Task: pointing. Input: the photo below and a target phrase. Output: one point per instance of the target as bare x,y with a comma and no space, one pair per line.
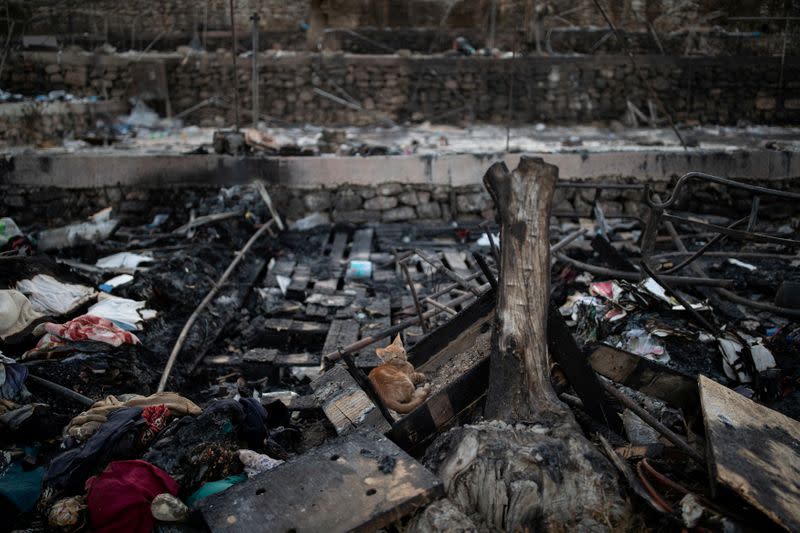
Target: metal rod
255,96
60,389
567,240
173,356
744,255
234,49
652,202
634,276
447,272
681,300
650,420
736,234
696,255
413,290
441,306
487,273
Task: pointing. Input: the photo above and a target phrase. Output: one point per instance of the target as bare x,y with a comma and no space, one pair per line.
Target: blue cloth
214,487
21,487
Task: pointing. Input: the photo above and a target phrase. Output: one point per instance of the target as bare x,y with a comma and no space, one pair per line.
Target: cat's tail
404,408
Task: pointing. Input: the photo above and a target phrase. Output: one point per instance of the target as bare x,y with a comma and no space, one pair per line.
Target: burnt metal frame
658,213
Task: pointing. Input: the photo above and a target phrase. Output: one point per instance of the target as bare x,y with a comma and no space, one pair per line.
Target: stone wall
389,202
46,124
722,90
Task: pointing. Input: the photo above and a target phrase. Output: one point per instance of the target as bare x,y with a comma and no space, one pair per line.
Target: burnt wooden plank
753,450
299,285
339,299
345,404
316,311
282,267
287,334
362,244
642,374
456,262
337,252
278,358
326,286
480,312
340,334
380,312
565,351
287,325
361,482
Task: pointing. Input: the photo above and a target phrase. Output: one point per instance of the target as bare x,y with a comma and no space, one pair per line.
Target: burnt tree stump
528,466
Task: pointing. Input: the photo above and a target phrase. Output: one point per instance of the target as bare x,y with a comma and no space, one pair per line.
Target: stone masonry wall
389,202
446,90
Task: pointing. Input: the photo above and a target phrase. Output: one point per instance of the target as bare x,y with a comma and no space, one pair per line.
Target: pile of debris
209,367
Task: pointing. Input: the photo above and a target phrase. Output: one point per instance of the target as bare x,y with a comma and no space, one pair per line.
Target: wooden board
345,405
362,244
326,286
380,310
299,285
361,482
753,450
340,334
565,351
287,325
337,253
646,376
457,264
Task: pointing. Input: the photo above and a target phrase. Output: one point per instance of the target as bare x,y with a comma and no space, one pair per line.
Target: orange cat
395,379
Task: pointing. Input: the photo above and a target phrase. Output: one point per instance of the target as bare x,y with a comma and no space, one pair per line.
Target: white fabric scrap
123,260
731,359
52,297
129,314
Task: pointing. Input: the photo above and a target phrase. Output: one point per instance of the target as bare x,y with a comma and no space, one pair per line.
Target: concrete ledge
78,171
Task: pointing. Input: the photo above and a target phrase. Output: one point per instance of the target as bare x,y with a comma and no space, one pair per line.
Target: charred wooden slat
362,245
299,286
362,482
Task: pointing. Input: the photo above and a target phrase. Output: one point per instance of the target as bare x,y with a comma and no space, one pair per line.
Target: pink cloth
82,328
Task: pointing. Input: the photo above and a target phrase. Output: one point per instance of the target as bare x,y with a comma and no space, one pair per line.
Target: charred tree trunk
519,380
529,467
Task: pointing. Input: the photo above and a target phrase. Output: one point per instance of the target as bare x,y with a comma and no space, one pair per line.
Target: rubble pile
211,368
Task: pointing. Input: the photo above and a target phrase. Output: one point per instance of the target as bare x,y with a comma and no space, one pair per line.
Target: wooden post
519,379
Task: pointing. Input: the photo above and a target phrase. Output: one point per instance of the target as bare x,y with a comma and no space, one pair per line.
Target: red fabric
91,328
157,417
119,498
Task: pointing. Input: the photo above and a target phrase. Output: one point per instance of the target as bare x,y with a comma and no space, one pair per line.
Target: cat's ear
381,353
398,343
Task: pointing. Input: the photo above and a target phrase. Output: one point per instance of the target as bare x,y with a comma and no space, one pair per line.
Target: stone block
390,189
347,200
399,214
381,203
429,210
317,201
409,198
472,203
356,216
